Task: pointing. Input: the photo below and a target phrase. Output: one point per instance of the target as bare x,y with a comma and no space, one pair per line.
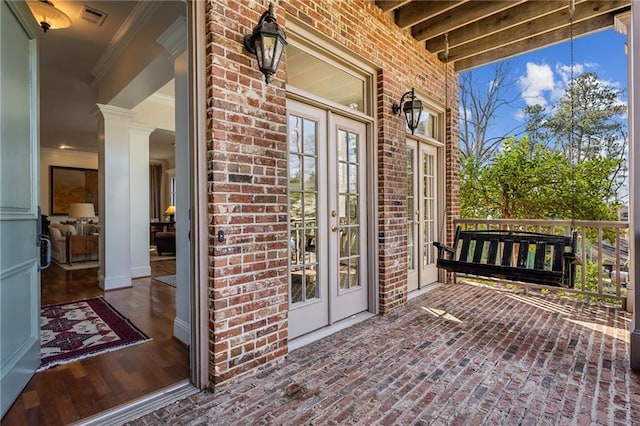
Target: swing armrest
572,258
442,249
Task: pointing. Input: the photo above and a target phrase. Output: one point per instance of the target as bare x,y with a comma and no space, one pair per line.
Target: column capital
112,112
622,23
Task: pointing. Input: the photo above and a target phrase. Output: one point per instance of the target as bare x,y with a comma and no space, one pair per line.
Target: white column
622,25
634,180
113,172
139,198
632,24
174,41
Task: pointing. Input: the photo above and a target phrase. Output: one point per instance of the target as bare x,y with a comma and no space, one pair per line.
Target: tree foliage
571,163
585,124
526,181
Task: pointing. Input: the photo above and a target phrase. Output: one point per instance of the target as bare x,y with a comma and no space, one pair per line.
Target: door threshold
426,289
141,406
314,336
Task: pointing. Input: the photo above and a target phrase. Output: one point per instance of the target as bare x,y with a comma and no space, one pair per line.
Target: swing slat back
512,255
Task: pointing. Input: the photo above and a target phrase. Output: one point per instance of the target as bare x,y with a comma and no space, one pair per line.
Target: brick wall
247,167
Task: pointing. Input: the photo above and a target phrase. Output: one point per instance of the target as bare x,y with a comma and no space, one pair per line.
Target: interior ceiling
480,32
68,91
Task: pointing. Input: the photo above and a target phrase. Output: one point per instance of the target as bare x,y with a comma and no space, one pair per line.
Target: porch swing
514,255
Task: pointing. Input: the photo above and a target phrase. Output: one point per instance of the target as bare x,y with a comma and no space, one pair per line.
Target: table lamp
81,211
170,211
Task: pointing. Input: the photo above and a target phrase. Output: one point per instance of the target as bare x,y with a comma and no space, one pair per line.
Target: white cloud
538,81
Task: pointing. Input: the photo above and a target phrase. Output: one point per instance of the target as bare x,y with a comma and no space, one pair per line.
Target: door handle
45,252
334,228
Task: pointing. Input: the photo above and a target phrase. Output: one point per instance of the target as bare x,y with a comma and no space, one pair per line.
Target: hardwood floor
70,392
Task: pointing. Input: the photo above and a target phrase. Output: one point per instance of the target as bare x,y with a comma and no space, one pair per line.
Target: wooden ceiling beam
493,24
538,26
532,43
420,11
459,17
391,5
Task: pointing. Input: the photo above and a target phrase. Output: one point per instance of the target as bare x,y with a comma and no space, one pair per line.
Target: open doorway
79,68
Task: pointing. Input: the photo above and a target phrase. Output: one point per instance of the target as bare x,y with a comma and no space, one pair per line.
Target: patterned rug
167,279
71,331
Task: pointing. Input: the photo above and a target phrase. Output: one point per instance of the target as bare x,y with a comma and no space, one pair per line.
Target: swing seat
529,257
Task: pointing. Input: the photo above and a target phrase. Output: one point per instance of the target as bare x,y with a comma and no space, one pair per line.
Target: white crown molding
124,36
112,112
174,39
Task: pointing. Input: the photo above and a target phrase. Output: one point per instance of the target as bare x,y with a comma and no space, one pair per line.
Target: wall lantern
412,109
49,16
267,42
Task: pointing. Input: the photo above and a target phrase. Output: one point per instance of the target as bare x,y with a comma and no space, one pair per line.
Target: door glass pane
326,80
410,209
349,209
428,125
428,208
303,207
353,210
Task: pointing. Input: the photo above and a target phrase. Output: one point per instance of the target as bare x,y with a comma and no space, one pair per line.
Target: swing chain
571,87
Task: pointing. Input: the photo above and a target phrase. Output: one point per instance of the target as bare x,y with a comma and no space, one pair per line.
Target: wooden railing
603,251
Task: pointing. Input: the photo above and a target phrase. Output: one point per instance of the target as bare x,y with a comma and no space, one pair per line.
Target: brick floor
459,355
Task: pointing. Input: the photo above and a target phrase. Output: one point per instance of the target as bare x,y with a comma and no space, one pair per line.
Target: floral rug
71,331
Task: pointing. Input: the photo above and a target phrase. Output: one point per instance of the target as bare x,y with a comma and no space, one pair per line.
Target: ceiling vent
92,15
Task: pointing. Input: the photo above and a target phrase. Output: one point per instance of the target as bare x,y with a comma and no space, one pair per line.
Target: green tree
586,123
530,181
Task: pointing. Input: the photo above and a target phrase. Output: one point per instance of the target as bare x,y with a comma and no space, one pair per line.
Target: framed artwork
72,185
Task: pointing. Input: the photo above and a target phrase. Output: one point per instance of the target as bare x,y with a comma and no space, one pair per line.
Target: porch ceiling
481,32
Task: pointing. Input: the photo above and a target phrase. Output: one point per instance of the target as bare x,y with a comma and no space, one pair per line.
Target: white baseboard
182,331
113,283
140,271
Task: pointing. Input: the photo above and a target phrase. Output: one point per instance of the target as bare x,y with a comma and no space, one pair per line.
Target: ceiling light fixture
267,42
49,16
412,109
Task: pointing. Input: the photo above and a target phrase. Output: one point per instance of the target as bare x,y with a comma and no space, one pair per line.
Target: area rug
72,331
167,279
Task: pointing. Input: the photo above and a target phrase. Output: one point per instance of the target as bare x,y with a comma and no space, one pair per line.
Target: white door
422,208
327,220
19,252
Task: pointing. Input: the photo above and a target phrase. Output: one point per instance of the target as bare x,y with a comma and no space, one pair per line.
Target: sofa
59,234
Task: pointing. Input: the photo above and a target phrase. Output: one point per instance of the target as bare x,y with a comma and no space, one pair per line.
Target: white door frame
303,106
421,275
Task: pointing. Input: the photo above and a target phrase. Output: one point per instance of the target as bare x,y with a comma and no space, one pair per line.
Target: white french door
19,231
422,210
327,218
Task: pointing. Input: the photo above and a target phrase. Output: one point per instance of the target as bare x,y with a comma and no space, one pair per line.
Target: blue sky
540,76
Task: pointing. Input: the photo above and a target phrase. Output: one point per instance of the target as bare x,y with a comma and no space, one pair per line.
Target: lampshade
170,210
81,210
48,15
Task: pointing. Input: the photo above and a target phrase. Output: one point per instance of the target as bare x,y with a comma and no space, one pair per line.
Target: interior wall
64,158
